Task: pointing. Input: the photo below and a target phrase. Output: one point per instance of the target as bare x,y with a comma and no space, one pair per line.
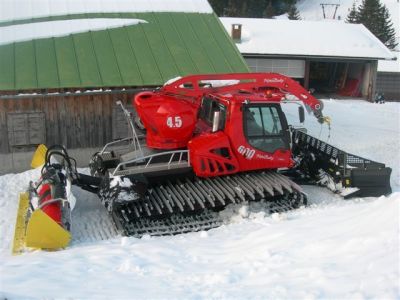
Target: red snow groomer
212,140
236,127
208,141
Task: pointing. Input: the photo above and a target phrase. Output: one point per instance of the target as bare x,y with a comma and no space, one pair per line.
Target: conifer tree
388,33
375,16
232,9
219,6
269,12
244,9
250,8
293,13
352,16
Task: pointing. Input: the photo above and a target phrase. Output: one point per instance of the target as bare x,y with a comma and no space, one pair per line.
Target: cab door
260,138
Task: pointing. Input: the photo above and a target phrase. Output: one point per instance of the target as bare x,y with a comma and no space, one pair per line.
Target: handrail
134,137
114,142
150,158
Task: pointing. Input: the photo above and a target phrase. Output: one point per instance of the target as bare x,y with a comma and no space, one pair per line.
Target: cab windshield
265,127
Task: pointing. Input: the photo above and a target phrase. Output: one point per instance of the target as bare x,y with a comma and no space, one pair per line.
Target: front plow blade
20,226
44,233
39,157
37,230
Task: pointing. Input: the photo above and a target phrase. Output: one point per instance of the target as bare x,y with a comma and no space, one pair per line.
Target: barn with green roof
64,64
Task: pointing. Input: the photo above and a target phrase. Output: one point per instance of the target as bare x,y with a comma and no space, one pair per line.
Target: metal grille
304,140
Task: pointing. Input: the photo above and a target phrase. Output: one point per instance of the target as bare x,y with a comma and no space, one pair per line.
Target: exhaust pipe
215,125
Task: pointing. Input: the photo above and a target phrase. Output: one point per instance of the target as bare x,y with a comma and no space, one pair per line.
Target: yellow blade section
44,233
20,225
39,156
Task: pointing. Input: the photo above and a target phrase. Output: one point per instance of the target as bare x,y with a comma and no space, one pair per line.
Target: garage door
289,67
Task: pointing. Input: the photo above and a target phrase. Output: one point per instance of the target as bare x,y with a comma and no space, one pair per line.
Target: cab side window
208,107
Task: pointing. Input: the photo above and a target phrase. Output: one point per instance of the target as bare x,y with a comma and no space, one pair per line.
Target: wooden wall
389,84
76,121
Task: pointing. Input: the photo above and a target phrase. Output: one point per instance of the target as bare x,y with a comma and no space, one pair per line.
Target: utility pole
323,5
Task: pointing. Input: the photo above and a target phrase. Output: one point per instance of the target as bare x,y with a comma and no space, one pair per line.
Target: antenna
336,6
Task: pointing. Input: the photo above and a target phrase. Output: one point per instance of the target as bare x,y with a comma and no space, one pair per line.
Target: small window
27,128
208,107
205,109
187,85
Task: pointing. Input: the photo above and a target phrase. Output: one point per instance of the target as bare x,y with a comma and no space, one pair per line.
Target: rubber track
178,224
191,205
174,224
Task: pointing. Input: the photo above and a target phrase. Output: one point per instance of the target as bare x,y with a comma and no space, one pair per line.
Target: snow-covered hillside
312,10
331,249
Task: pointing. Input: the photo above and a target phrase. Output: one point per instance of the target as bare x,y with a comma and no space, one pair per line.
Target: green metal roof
170,44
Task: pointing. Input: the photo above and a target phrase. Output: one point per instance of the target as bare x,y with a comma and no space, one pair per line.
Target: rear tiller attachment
348,174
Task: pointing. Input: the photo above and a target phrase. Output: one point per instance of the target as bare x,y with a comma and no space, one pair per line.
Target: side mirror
301,114
216,121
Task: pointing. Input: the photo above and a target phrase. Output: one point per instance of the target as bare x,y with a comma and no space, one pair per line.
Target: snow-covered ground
334,248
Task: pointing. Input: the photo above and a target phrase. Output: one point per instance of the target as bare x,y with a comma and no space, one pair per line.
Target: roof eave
269,55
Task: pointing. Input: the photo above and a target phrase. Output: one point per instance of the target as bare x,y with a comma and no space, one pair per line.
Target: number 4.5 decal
174,122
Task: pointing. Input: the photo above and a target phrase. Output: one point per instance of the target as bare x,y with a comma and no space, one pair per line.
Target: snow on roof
31,31
390,66
27,9
307,38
